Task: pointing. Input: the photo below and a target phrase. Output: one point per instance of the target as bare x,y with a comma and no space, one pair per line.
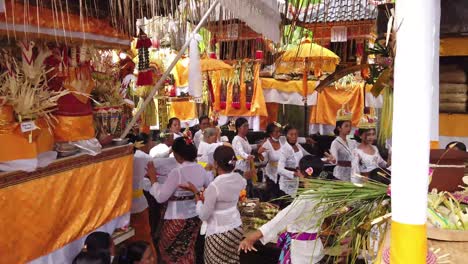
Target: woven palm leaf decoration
249,84
236,88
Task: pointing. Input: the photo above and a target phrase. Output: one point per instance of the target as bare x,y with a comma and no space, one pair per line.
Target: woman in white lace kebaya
366,157
288,164
181,224
270,153
218,206
243,150
342,148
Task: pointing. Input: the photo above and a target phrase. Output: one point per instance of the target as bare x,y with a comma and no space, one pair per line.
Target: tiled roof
337,11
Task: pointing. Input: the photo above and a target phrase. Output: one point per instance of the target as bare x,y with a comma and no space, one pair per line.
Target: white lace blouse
289,158
243,149
220,206
206,151
185,172
342,151
272,157
140,160
364,163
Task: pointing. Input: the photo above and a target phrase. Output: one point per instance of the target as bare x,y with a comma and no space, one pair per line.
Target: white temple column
435,81
417,24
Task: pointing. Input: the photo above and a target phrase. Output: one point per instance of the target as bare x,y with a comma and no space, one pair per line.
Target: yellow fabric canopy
210,65
311,51
293,86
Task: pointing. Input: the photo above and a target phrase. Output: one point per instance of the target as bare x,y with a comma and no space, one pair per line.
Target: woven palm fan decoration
249,84
145,77
236,92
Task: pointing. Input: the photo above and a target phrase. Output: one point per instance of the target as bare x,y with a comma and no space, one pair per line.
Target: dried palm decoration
106,92
31,98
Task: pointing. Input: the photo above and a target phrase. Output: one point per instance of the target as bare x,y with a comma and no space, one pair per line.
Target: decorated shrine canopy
19,20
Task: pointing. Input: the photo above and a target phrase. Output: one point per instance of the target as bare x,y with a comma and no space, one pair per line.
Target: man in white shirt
163,149
203,123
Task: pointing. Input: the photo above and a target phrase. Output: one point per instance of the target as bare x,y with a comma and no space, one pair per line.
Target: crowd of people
187,188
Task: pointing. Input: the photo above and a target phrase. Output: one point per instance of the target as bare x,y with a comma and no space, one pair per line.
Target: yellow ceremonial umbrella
310,55
207,65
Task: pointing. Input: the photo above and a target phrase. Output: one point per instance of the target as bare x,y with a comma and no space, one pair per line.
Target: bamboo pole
168,71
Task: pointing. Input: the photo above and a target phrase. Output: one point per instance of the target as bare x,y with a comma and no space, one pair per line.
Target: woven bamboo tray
446,235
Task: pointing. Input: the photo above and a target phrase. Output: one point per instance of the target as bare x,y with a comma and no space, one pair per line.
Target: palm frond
350,212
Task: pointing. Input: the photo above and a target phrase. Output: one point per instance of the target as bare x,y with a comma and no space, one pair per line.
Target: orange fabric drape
272,109
15,145
184,110
258,107
330,100
293,86
180,72
74,128
42,215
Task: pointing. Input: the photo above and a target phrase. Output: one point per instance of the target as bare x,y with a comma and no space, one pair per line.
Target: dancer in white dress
270,153
243,150
366,157
288,164
296,226
208,145
203,123
164,148
342,147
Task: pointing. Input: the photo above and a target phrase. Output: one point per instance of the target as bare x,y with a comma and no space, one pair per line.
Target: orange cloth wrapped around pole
330,100
57,207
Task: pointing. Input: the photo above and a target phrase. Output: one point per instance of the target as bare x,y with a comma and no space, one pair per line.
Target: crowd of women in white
177,176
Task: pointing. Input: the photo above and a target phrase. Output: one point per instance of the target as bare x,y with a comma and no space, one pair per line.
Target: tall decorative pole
435,82
416,23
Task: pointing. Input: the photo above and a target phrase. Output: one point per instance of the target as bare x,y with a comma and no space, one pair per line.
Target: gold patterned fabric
48,211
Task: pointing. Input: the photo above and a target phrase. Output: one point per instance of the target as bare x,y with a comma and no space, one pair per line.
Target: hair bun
232,161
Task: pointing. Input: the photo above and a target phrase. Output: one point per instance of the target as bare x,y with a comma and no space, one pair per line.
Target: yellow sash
137,193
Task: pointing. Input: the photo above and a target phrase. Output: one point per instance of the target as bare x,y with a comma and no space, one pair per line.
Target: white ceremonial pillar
435,82
416,22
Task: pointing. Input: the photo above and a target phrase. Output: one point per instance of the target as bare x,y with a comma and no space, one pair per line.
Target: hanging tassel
143,40
210,89
223,94
195,76
145,77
